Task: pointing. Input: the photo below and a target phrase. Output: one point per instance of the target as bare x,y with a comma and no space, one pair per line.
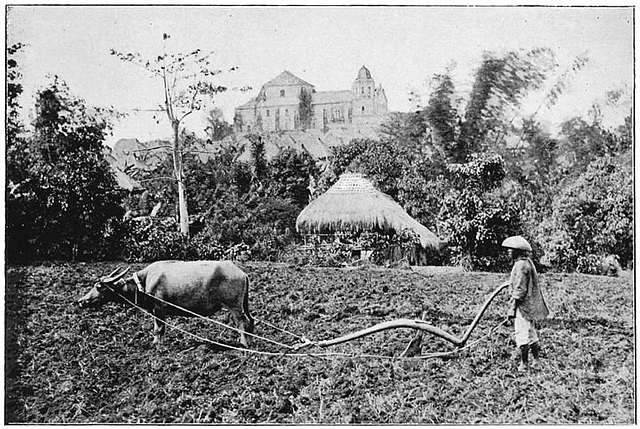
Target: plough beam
413,324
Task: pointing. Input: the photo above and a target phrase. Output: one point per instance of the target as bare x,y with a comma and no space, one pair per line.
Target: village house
277,106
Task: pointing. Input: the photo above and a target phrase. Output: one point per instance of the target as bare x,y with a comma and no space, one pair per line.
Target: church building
277,107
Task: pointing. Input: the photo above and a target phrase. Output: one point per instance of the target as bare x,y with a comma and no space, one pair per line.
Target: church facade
277,105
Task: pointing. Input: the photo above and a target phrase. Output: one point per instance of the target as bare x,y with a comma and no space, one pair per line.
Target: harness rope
282,354
264,322
138,291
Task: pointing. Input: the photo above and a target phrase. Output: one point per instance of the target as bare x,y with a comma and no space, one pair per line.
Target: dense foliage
474,170
473,173
475,217
244,207
14,90
152,239
289,175
380,160
592,216
355,247
217,128
63,201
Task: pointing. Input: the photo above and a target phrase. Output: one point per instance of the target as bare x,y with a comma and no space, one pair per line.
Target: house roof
323,97
353,203
286,78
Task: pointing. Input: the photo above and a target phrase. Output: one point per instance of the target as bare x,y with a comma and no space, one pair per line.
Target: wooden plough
419,325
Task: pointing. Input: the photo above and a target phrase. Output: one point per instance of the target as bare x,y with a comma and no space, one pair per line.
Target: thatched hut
354,204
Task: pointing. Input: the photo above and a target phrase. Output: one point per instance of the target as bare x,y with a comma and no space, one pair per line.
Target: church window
282,93
369,90
286,112
267,113
362,109
363,90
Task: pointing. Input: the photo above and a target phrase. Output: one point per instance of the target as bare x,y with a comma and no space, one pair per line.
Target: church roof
364,73
248,105
286,78
322,97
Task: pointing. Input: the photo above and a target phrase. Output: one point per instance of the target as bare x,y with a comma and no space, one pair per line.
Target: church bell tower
364,89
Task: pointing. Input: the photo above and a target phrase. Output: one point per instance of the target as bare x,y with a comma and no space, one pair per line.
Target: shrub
557,246
205,246
261,222
388,247
62,201
593,215
338,250
153,239
332,254
475,218
289,174
589,264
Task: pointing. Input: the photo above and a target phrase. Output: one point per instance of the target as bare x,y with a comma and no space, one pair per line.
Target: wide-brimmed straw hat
517,242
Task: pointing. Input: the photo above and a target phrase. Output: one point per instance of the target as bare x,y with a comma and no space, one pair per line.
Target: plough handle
475,322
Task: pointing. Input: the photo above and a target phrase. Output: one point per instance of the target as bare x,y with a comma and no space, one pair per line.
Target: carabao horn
117,276
103,278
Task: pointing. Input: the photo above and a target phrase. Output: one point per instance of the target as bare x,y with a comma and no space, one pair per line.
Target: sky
403,47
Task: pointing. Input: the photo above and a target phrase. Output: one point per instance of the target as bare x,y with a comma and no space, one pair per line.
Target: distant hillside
129,155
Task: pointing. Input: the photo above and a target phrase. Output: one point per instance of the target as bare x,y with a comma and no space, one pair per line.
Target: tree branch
157,178
200,151
192,105
148,110
167,108
175,79
186,114
153,148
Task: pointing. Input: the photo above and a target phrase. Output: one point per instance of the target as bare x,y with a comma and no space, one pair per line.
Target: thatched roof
353,203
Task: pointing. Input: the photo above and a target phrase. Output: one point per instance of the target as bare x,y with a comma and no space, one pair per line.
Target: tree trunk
179,173
182,202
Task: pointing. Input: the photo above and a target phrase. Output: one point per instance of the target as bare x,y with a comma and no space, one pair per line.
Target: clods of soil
68,365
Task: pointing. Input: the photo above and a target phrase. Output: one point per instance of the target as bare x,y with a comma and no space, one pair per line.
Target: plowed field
68,365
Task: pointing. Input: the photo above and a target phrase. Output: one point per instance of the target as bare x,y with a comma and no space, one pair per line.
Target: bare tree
188,82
